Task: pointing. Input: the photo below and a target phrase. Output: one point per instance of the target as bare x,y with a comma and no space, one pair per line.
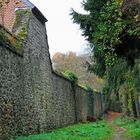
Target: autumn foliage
78,65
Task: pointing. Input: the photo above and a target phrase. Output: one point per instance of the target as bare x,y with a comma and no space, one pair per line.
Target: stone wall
90,102
25,83
61,103
81,104
67,105
99,105
11,92
33,98
37,73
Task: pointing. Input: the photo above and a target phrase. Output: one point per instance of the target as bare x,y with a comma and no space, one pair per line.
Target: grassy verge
89,131
132,126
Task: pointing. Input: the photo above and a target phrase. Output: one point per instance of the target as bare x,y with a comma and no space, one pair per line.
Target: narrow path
118,130
118,134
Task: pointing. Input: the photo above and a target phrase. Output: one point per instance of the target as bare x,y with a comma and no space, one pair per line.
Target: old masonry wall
33,98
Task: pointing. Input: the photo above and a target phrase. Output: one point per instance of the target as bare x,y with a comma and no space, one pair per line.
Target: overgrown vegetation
112,28
88,131
77,64
10,40
132,127
21,23
74,79
71,76
15,41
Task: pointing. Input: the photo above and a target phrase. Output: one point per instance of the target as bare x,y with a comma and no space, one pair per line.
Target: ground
118,130
101,130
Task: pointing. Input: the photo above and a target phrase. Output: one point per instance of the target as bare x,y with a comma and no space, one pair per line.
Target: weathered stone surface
11,93
81,104
37,73
61,103
100,105
33,98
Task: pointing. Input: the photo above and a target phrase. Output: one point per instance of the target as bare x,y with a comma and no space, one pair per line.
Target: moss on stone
15,40
21,23
10,40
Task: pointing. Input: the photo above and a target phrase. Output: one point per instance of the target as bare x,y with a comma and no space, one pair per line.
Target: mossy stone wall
81,104
11,93
34,99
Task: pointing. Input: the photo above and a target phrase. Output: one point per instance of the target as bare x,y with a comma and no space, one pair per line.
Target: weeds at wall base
132,126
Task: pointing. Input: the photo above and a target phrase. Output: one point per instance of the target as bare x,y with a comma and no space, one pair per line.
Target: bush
71,76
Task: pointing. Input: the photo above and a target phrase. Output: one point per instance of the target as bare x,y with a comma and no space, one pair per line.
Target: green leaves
106,26
110,25
135,31
132,126
113,29
71,76
89,131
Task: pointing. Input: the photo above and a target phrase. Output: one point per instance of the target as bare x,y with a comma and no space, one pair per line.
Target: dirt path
118,134
118,130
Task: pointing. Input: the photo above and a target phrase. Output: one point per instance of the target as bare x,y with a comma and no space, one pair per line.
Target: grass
132,126
89,131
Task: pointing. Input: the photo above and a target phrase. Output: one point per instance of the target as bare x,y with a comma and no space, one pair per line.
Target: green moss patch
21,23
14,40
9,40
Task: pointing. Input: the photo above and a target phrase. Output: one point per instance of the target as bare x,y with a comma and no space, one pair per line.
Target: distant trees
78,65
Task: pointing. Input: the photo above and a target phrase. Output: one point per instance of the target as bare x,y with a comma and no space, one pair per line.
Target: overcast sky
63,35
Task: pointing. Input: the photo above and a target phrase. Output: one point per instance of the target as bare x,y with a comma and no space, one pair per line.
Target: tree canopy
112,27
108,24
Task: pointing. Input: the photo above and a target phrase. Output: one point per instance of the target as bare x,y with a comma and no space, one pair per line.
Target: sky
63,34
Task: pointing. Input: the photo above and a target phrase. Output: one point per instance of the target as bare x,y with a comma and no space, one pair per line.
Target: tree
78,65
107,25
2,8
113,28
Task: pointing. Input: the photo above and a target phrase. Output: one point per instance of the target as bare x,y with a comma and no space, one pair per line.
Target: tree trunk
137,106
134,111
